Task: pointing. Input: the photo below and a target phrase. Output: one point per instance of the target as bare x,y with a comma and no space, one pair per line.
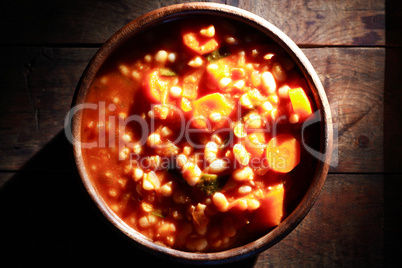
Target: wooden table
46,218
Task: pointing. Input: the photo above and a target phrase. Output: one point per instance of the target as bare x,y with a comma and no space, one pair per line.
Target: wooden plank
344,228
354,82
46,217
315,22
70,22
37,85
319,22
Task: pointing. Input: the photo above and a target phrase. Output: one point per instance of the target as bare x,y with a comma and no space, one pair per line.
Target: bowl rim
167,13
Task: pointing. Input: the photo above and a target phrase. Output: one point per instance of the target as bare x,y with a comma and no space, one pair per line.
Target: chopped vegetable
221,69
191,82
185,105
157,87
271,211
283,153
211,183
213,103
300,103
167,72
198,43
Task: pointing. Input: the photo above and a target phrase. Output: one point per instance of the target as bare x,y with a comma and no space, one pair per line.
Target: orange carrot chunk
213,103
300,103
198,43
212,108
157,87
283,153
270,212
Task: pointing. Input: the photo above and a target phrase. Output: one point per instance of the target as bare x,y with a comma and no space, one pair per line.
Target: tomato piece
300,103
221,68
283,153
191,83
271,210
199,43
157,86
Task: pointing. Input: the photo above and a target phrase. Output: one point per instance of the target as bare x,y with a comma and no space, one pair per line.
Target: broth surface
195,137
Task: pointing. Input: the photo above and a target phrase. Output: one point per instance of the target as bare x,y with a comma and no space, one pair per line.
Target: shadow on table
47,218
392,135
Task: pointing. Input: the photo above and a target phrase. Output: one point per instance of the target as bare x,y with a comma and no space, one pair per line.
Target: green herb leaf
211,183
157,213
167,72
218,54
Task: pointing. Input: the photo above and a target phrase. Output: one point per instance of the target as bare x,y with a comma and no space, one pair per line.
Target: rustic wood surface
46,218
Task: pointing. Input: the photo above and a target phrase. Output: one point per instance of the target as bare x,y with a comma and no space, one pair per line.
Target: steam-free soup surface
194,134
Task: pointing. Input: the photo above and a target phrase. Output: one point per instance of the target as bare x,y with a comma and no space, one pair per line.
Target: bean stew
193,134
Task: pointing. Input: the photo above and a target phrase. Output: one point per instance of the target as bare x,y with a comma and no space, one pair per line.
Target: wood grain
319,22
342,229
51,208
354,82
314,22
37,86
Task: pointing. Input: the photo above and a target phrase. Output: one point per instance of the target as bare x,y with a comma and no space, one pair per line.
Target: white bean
268,82
239,84
172,57
224,82
175,91
243,174
166,189
210,151
245,101
220,202
283,92
208,32
245,189
161,56
218,166
153,140
137,174
195,62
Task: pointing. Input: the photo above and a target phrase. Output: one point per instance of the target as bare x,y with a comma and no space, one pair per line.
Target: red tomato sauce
198,143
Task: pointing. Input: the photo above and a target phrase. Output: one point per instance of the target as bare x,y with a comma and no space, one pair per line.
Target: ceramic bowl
155,18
